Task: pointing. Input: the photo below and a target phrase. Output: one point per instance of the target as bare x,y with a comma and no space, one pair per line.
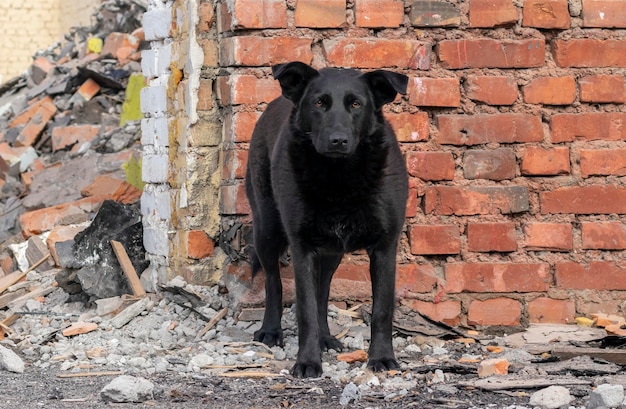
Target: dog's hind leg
328,266
270,243
383,273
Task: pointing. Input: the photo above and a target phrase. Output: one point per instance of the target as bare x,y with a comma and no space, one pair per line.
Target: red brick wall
514,132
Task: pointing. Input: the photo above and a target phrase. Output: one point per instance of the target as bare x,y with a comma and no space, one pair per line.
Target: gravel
160,349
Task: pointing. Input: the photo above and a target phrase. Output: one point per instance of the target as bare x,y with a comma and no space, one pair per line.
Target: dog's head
336,107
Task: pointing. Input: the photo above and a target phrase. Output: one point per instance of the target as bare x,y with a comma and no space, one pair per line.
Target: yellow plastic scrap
94,45
584,321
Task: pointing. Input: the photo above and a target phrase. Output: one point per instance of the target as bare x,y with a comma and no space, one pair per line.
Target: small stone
495,366
552,397
126,388
351,393
606,396
10,361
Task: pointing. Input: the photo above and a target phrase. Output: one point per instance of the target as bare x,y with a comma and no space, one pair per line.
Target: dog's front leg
306,270
383,273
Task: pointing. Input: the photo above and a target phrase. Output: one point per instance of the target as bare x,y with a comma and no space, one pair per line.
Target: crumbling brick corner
181,137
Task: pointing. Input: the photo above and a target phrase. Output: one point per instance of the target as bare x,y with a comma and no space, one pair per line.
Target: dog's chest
342,231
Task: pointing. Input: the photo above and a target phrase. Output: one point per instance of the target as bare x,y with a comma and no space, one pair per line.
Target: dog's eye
319,103
355,104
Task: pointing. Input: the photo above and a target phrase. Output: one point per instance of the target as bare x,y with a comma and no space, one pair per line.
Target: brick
252,14
489,53
247,89
233,200
415,278
23,117
488,237
602,89
353,272
492,164
205,95
320,13
66,136
487,128
199,245
112,188
412,203
35,126
211,52
430,165
603,235
589,126
434,13
492,90
587,52
448,312
603,13
157,24
206,16
435,92
410,127
495,311
538,161
89,89
264,51
235,161
603,162
434,239
61,234
121,46
493,367
547,310
597,275
492,13
377,53
550,91
467,201
239,126
604,199
379,13
548,236
553,14
42,220
497,277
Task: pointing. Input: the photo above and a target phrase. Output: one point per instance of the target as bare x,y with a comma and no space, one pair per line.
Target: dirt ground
36,388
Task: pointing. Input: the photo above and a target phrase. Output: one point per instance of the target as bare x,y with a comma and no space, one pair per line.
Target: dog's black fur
326,176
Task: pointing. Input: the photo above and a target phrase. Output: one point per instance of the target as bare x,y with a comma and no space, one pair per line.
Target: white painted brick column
156,202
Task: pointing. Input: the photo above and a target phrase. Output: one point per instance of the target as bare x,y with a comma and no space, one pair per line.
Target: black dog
326,177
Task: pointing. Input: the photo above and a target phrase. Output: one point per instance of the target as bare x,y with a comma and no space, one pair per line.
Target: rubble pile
69,132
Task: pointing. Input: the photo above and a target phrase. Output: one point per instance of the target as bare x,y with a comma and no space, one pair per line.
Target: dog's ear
385,85
293,78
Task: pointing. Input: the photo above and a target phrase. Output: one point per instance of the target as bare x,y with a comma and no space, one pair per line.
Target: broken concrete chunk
98,270
606,396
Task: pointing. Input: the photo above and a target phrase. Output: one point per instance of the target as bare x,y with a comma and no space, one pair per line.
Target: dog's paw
383,364
269,338
330,342
307,370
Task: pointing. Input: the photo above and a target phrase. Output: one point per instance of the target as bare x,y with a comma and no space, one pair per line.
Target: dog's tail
254,261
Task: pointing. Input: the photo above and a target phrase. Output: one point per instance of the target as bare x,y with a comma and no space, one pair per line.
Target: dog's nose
338,140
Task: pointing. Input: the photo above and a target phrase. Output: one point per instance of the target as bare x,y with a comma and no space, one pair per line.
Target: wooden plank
212,323
84,374
128,269
10,279
5,299
498,383
617,356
